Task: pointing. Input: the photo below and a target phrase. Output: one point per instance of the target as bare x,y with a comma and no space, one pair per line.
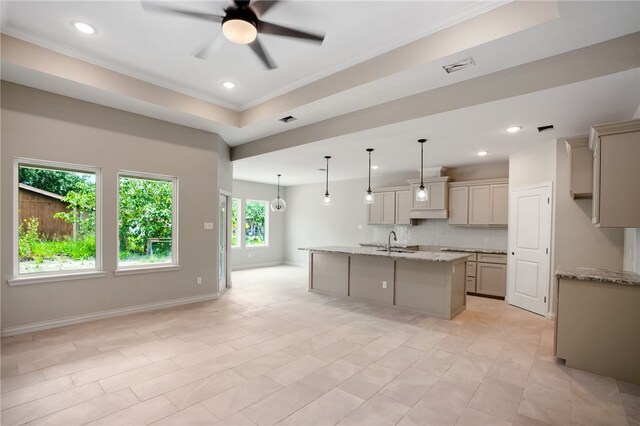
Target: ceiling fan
241,24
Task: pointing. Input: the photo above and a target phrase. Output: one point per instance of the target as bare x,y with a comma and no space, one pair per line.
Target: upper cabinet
436,206
580,167
616,174
383,209
479,203
403,207
391,206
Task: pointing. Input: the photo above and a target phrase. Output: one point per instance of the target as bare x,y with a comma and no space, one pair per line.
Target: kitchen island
430,282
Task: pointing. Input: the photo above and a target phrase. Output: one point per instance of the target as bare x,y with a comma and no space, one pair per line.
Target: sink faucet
395,238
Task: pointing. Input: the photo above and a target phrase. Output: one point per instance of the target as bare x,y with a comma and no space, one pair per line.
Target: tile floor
270,352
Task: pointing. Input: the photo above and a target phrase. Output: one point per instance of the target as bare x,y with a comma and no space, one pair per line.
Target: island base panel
366,274
329,273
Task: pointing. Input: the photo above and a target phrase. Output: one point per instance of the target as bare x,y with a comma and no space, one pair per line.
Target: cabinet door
417,205
437,192
595,206
471,285
459,205
499,204
479,205
375,210
491,279
388,207
403,206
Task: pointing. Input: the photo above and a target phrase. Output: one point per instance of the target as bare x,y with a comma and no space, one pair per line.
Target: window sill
146,270
261,246
22,280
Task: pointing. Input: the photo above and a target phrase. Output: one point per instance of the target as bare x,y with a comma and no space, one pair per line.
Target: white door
223,218
529,246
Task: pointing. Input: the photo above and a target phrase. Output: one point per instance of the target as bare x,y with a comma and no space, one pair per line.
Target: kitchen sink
397,250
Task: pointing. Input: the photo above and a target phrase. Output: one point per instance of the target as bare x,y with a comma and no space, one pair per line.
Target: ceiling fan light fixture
240,27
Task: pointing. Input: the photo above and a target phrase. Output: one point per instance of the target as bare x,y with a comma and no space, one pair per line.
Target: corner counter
429,282
598,321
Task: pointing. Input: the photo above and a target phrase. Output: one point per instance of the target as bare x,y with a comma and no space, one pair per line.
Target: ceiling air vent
288,119
545,128
459,65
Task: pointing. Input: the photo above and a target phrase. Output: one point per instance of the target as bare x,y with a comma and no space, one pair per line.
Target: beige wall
308,223
632,239
273,254
45,126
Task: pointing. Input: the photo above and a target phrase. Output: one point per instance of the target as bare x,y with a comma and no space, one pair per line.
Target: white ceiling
157,48
455,137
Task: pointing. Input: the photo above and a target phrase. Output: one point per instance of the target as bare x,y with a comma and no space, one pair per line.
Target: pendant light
278,204
421,193
369,197
327,198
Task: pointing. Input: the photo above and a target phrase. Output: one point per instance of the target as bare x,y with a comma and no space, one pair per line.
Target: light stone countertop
439,248
427,256
599,275
474,250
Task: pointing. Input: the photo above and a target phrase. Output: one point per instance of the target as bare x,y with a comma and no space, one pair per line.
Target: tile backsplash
439,233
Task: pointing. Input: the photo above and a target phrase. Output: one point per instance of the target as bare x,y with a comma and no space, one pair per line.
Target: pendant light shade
369,198
421,192
278,204
327,198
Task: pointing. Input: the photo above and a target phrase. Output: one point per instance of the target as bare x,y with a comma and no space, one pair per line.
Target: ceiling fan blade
198,15
260,7
257,48
274,29
209,47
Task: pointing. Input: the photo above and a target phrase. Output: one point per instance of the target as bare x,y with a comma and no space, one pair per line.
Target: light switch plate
208,225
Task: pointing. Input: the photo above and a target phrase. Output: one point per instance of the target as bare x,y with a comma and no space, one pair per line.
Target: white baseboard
301,265
255,266
45,325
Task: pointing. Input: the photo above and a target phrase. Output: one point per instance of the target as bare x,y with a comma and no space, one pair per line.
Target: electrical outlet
359,227
249,255
199,280
384,284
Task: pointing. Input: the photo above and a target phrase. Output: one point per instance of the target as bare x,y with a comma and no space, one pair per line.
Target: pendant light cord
326,193
369,188
422,141
278,187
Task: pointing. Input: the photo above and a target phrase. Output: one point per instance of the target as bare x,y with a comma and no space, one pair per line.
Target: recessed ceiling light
228,84
84,28
374,167
482,153
514,129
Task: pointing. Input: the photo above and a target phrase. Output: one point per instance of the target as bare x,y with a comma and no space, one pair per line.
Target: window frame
151,267
51,276
240,221
266,223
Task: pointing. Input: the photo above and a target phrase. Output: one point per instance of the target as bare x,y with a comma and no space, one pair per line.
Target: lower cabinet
487,274
491,279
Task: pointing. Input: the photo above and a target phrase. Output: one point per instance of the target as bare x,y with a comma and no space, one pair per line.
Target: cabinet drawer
492,258
471,269
472,257
471,285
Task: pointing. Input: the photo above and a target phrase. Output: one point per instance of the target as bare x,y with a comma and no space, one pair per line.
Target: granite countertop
427,256
438,248
598,275
474,250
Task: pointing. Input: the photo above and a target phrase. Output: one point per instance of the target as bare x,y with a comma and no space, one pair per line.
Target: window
146,220
236,208
255,223
57,218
